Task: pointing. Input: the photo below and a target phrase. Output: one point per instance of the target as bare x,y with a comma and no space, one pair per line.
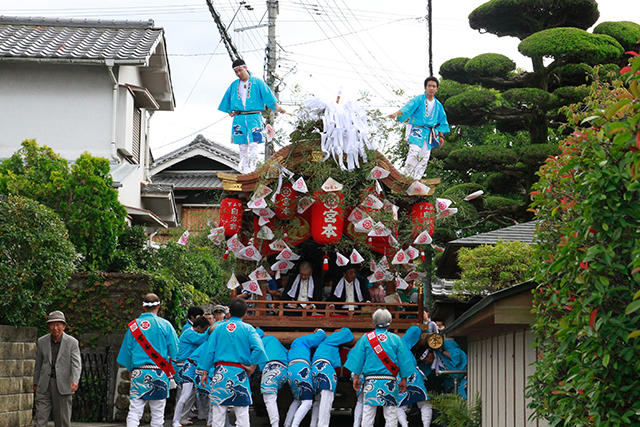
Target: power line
192,133
346,41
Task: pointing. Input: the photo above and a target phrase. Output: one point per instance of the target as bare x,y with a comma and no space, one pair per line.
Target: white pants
136,409
369,415
321,414
248,157
417,160
184,403
426,411
218,415
271,402
301,412
357,412
202,403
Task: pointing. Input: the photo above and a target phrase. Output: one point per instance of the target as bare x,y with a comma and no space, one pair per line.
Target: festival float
331,198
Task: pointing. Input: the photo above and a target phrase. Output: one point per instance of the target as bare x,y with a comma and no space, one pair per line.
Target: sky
377,47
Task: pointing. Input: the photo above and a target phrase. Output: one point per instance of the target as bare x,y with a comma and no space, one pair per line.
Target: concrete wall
498,369
17,361
67,107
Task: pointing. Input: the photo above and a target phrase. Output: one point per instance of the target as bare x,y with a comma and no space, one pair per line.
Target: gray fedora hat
56,316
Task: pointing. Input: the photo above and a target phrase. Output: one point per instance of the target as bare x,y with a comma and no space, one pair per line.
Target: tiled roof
516,233
442,286
73,39
200,142
448,263
189,180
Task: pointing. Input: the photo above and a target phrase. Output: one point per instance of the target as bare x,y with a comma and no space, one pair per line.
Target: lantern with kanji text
231,215
327,217
285,202
422,218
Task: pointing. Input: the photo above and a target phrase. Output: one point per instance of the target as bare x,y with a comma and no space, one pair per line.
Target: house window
137,126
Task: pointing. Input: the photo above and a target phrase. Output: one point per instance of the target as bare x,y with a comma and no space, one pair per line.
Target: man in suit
57,373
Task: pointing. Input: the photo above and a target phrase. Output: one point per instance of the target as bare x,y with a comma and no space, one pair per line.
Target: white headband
150,304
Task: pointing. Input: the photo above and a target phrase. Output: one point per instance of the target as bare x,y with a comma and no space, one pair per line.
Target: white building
89,85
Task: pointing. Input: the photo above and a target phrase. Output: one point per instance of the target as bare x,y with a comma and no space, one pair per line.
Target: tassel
369,240
226,255
422,257
325,263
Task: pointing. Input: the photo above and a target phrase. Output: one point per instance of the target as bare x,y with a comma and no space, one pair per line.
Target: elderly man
380,356
303,287
148,346
57,373
350,289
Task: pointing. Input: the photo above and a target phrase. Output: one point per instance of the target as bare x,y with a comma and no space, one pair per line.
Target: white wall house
89,85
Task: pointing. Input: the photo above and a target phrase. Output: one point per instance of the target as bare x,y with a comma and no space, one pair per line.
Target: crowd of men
214,359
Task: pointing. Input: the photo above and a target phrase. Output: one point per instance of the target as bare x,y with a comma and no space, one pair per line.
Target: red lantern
285,201
422,217
327,217
231,211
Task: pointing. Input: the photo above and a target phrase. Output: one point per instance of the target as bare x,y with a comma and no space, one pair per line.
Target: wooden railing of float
290,315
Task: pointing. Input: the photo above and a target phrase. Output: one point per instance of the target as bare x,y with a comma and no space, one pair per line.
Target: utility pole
270,71
226,39
430,35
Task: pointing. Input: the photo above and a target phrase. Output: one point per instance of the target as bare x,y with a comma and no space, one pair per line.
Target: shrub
489,268
81,194
489,65
625,32
455,411
587,203
36,259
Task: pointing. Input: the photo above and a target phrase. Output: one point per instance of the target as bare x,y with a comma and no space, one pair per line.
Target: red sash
162,363
379,351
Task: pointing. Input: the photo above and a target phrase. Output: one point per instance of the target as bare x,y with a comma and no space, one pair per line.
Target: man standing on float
245,100
426,124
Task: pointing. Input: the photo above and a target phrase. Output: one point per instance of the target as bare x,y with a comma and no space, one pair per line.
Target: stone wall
17,361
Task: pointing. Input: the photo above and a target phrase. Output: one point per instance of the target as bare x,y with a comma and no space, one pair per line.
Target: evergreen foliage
506,122
521,18
588,205
36,259
456,411
489,268
625,32
81,193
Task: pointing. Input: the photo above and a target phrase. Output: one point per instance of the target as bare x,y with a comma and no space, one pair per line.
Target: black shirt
55,348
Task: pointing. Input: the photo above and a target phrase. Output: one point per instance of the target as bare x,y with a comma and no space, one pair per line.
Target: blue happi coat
232,341
456,361
248,128
299,369
186,326
149,383
326,359
415,114
380,387
416,389
189,341
274,372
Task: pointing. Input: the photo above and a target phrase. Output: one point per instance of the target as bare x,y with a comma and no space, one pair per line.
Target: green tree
505,121
588,205
489,268
36,259
82,194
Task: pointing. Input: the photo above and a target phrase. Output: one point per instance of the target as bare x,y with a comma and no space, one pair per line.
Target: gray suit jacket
68,365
